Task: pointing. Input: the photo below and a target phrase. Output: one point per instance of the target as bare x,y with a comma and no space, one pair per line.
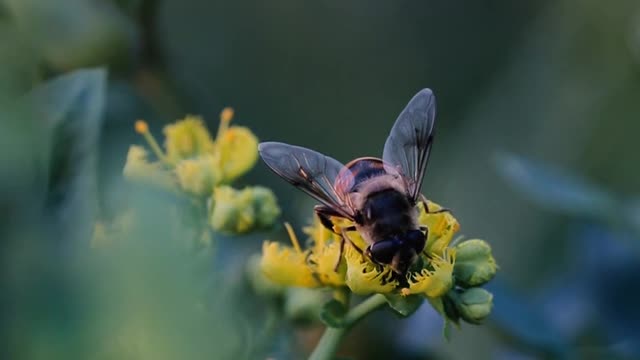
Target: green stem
328,344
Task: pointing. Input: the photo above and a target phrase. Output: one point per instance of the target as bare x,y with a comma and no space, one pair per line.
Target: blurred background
536,152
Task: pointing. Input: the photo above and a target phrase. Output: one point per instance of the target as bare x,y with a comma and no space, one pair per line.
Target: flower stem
330,340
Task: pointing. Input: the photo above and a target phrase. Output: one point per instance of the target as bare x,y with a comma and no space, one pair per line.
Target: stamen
142,128
225,118
293,237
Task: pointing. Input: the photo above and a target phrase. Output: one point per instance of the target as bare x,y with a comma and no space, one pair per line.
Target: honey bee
380,196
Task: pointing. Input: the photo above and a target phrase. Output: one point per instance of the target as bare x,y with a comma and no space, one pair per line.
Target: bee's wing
409,143
309,171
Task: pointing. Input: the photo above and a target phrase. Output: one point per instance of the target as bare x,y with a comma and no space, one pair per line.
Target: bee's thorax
386,213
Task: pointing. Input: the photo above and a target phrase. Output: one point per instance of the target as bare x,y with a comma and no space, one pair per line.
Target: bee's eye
383,251
416,239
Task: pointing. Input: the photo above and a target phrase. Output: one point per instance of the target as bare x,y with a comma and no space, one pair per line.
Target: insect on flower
379,196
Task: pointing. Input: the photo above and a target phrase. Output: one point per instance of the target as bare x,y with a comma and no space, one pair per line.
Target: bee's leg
426,234
324,214
345,238
423,199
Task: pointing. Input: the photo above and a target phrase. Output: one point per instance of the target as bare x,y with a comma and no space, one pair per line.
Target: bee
379,196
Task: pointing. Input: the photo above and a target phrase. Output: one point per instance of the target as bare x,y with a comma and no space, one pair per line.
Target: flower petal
442,226
236,152
187,138
436,282
286,266
363,277
324,260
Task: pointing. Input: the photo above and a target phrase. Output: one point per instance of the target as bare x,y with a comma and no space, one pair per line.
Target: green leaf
446,330
553,189
332,313
404,305
524,323
71,108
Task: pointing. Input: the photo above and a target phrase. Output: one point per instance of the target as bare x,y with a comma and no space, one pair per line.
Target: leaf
71,108
553,189
520,321
446,330
404,305
332,313
446,309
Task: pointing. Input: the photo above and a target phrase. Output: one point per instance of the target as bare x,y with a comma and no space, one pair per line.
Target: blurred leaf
71,107
524,324
553,189
18,61
404,305
332,313
75,33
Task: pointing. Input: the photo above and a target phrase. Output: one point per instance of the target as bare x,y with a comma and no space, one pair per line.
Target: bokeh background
536,151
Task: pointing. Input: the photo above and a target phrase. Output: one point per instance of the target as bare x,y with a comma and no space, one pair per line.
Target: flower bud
474,263
474,304
243,210
265,205
232,210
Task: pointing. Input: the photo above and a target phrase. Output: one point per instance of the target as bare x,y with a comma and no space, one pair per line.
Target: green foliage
404,305
332,313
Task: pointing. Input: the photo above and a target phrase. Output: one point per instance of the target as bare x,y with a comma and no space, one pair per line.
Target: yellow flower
442,226
236,152
138,168
186,139
197,176
236,148
323,263
286,265
316,266
437,281
364,277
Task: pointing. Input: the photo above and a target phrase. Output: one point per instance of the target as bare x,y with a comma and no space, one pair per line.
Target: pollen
141,127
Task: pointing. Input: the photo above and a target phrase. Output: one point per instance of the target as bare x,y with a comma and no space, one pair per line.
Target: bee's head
403,259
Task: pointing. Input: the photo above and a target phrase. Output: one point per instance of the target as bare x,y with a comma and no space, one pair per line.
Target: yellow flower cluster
320,265
198,164
447,275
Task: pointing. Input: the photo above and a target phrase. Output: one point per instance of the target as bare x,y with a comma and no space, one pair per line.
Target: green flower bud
265,205
232,210
473,305
240,211
474,263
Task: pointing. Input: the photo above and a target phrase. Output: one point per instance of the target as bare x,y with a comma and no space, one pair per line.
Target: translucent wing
409,143
309,171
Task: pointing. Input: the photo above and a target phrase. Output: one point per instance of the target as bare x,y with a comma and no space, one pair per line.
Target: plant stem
330,340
